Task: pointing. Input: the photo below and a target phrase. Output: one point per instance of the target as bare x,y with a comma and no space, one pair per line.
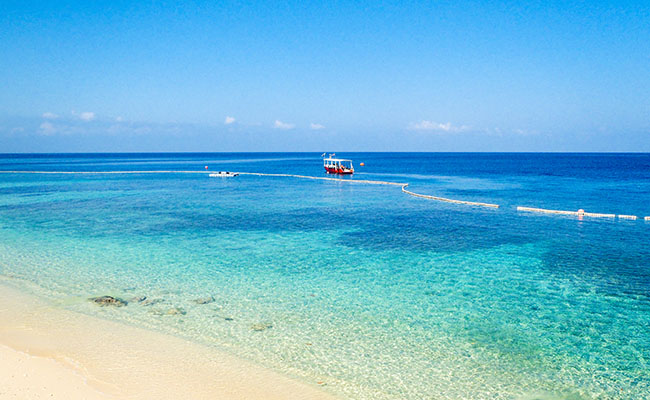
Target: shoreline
57,353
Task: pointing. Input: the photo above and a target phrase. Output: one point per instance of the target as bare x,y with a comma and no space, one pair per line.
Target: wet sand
49,352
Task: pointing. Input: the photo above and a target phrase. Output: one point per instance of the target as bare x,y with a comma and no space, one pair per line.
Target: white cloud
119,119
315,127
283,125
425,125
50,115
47,129
229,120
87,116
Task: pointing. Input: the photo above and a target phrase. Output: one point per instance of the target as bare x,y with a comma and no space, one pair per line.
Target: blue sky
324,76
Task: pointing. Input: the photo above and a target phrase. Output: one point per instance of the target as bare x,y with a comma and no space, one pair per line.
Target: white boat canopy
337,161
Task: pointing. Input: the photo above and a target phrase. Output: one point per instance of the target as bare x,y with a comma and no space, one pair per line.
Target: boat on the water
338,165
223,174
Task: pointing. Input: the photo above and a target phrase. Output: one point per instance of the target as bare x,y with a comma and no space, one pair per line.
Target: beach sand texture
48,352
23,376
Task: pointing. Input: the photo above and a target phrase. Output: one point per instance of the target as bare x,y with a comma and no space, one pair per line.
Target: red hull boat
338,166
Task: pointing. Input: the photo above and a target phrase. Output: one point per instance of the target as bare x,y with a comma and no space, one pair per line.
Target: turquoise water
377,294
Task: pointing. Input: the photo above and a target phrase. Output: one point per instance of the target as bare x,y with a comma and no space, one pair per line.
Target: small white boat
223,174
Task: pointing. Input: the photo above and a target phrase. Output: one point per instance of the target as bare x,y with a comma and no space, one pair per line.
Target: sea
360,288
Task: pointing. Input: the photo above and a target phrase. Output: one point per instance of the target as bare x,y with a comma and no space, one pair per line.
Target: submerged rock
204,300
176,311
108,301
138,299
261,327
151,302
170,311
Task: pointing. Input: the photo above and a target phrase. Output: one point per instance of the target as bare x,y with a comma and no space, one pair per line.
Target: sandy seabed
49,352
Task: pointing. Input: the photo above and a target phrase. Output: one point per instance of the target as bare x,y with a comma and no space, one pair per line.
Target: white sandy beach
23,376
47,352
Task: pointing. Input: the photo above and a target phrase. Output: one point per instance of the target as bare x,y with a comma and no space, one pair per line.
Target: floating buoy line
469,203
580,213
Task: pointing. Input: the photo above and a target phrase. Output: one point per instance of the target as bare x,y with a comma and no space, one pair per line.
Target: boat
338,165
223,174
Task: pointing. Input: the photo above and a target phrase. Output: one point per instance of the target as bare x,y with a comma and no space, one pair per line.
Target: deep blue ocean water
374,292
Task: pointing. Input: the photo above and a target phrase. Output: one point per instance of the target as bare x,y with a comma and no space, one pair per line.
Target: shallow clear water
376,293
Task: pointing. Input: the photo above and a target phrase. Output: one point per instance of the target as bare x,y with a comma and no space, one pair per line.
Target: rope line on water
469,203
104,172
579,213
371,182
324,178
